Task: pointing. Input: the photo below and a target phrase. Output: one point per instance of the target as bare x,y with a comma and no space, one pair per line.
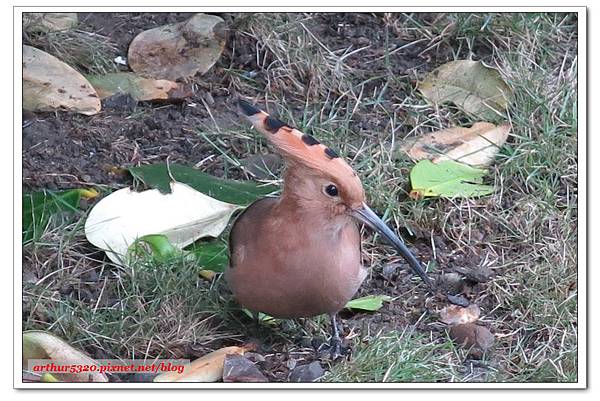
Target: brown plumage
299,255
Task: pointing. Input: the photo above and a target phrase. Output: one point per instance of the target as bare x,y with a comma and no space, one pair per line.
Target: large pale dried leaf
49,22
471,85
49,84
207,369
139,88
447,179
178,50
454,314
43,345
183,216
475,146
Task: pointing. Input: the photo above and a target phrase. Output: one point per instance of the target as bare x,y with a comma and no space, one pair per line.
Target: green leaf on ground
211,255
159,244
262,317
240,193
470,85
39,207
369,303
447,179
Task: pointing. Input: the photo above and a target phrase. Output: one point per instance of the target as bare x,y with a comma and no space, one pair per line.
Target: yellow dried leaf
207,274
207,369
89,193
48,378
43,345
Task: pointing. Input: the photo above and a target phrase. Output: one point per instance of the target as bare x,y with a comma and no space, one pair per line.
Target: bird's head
318,179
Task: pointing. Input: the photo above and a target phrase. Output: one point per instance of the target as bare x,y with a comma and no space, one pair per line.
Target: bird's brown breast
293,265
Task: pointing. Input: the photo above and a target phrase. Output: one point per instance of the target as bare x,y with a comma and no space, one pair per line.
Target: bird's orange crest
302,149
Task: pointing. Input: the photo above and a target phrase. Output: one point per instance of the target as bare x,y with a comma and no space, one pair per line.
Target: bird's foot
335,346
334,350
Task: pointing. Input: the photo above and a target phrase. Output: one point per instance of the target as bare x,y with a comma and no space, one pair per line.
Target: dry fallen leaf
475,146
139,88
49,84
207,369
49,22
178,50
183,216
43,345
471,85
454,314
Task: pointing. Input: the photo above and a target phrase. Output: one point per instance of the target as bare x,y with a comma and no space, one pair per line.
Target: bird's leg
256,319
336,342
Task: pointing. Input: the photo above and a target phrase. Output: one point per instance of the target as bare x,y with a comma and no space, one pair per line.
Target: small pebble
238,369
254,357
452,283
307,373
471,336
476,274
291,364
458,300
389,270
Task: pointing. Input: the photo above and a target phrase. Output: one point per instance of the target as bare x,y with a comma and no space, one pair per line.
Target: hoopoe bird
299,255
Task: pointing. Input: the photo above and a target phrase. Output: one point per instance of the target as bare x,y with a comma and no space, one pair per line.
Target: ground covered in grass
350,80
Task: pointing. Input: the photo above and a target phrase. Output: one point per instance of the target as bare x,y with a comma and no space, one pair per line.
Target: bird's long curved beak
367,216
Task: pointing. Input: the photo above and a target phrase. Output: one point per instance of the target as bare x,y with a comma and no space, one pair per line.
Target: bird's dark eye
331,190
